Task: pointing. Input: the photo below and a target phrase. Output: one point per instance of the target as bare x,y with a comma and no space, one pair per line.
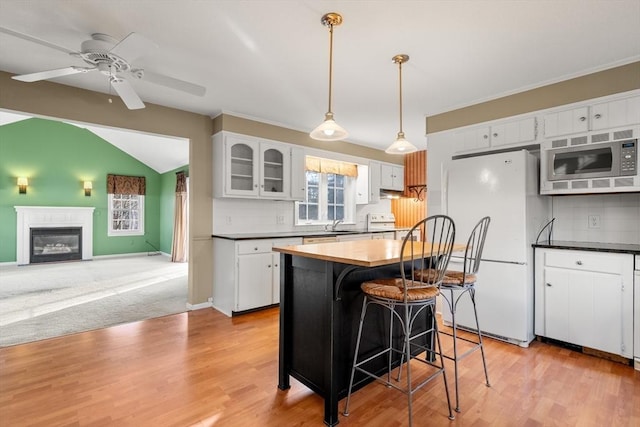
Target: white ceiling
268,60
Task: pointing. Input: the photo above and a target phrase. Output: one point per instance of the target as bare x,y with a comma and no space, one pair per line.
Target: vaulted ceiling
268,60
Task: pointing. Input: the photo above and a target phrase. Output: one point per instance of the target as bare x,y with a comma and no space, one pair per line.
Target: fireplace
55,244
54,220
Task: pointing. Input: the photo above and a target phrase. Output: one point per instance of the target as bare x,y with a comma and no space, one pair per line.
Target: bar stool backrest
432,253
475,246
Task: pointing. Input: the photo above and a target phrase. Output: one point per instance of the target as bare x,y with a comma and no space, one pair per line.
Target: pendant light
400,145
329,130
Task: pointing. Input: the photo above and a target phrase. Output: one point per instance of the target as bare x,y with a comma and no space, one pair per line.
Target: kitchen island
320,303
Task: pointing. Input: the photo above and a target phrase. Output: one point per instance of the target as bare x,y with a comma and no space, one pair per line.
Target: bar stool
463,282
407,298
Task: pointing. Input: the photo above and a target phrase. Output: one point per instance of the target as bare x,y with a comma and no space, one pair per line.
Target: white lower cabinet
585,298
246,273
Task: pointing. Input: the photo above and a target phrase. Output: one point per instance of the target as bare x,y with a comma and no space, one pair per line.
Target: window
329,197
126,215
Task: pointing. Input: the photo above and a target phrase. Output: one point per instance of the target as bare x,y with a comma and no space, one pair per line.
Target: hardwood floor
204,369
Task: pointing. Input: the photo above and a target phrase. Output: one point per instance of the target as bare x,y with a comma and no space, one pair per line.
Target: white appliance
401,234
381,221
387,222
636,313
598,162
503,186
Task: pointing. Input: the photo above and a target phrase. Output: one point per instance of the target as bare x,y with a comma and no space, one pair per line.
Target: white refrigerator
503,186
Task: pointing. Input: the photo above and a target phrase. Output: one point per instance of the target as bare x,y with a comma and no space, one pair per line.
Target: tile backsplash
248,215
607,218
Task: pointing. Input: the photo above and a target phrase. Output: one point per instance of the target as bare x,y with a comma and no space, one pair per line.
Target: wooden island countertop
364,253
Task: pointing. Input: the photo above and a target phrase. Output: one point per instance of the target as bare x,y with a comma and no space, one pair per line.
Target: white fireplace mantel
52,216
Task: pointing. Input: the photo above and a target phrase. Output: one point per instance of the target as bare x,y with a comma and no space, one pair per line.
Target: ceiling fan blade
133,46
35,40
126,92
50,74
172,83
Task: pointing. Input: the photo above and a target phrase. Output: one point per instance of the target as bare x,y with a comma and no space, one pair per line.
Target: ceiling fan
112,58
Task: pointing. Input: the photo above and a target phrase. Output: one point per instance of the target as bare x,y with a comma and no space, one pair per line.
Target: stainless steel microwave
586,164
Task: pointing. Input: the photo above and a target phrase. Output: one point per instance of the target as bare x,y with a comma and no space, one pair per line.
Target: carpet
43,301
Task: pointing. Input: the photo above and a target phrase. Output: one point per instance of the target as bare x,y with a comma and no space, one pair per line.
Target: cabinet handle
579,262
549,284
255,185
255,249
269,266
583,118
275,265
597,116
495,135
485,136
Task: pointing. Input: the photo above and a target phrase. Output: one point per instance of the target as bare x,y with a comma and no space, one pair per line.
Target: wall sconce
88,186
22,185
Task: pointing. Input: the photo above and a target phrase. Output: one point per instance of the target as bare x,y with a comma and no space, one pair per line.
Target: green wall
168,206
56,158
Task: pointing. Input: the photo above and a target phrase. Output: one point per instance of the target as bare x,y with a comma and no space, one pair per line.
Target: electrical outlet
280,219
594,221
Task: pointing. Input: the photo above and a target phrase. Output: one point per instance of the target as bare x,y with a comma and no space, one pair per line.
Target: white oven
384,221
387,222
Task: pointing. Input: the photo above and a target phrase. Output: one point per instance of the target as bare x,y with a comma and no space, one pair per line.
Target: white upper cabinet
391,177
298,174
603,115
613,114
248,167
275,170
566,122
514,132
241,163
362,185
374,182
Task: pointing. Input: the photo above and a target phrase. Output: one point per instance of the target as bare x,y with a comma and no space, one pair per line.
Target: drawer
254,247
287,242
586,261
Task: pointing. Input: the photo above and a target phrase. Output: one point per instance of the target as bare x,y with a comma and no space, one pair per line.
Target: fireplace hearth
54,244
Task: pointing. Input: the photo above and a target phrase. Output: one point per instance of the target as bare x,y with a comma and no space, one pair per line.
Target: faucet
333,226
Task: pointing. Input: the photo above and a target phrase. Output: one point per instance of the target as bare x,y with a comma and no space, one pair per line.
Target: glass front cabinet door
242,166
275,164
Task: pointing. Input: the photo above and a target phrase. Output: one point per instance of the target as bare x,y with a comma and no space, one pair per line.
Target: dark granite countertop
590,246
287,234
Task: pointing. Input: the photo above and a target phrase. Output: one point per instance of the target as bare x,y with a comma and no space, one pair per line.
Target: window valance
121,184
316,164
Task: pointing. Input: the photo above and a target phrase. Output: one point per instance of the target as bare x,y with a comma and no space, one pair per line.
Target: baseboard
8,264
199,306
128,255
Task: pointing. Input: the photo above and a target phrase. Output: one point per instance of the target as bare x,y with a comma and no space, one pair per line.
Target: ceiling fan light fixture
329,130
400,145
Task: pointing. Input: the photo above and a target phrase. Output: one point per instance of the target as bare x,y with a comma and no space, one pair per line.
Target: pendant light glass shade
400,145
329,130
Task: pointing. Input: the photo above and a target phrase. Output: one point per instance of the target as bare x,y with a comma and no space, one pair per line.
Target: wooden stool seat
451,277
392,288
